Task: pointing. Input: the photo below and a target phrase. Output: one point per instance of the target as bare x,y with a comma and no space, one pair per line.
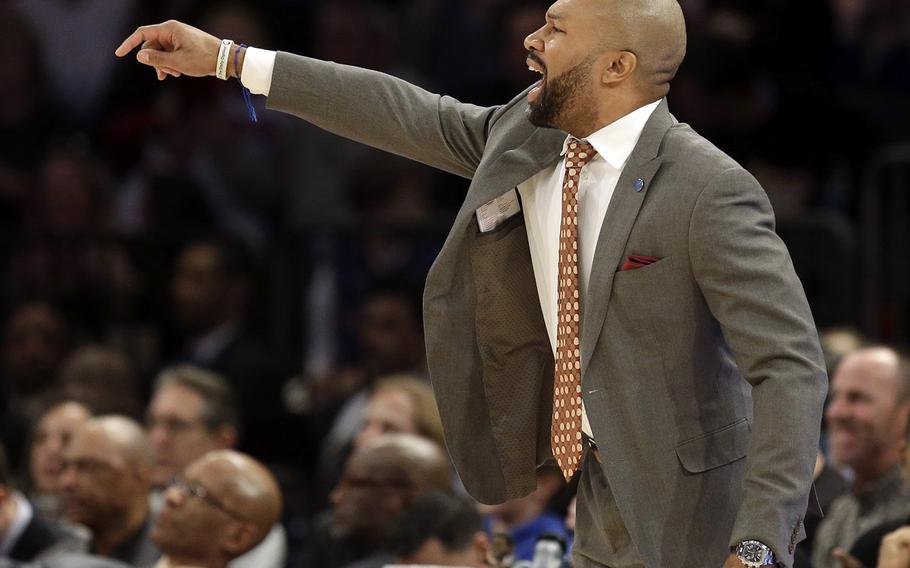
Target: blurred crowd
212,345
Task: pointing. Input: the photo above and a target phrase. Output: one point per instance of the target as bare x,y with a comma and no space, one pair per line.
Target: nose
534,42
67,479
336,495
836,409
174,495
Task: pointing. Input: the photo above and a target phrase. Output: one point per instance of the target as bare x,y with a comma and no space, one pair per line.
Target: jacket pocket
716,448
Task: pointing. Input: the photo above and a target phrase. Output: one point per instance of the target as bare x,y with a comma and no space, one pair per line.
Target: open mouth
537,67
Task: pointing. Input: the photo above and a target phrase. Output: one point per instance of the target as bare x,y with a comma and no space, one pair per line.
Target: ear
619,66
239,537
225,437
480,547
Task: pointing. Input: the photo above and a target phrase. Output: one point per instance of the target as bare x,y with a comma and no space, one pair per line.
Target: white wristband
224,57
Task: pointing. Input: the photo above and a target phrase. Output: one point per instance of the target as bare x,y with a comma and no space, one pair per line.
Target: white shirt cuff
256,74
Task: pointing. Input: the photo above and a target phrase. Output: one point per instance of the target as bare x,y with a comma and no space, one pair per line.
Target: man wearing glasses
222,507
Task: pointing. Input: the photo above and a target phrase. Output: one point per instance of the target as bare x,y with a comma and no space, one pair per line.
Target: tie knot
579,153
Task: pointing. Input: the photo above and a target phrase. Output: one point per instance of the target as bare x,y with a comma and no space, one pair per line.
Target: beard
560,96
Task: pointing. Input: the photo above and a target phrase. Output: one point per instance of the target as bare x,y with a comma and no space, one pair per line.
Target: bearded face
559,100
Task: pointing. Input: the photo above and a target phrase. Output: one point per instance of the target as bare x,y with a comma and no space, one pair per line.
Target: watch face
753,552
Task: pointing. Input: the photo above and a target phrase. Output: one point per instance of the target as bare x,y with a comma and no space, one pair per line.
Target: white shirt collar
24,514
616,140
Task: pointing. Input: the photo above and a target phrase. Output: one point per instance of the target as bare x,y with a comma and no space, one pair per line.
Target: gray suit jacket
701,373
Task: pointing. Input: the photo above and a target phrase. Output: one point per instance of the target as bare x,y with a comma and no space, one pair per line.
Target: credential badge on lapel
495,212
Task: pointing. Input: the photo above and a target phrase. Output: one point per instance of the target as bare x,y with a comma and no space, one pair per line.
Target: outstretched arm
363,105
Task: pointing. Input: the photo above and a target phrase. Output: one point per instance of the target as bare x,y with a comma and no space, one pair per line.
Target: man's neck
106,540
866,478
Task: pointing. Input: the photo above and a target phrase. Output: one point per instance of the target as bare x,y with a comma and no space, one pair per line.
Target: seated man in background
440,529
192,412
380,481
223,506
105,484
867,420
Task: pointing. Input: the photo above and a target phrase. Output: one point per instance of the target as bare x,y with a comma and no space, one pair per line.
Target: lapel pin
639,184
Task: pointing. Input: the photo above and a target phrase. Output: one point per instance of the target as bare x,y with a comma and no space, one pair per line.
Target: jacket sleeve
748,281
382,111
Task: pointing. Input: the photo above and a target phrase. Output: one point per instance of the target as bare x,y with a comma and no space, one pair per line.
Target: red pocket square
637,261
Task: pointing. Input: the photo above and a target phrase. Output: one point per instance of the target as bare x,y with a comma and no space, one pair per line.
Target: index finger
138,37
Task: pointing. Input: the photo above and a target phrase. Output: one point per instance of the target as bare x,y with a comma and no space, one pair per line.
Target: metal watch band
754,554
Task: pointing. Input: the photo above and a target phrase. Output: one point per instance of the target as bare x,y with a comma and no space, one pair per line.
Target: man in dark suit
105,485
639,320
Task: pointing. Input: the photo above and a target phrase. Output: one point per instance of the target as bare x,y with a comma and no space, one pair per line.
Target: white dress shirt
541,198
541,195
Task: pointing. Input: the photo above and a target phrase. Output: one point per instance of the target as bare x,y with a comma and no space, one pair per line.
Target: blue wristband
246,92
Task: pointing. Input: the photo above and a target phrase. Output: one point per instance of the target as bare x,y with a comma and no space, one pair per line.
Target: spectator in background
440,529
867,422
106,482
25,534
527,518
35,342
379,482
103,379
27,121
91,279
193,412
401,404
78,83
398,404
213,289
223,506
49,441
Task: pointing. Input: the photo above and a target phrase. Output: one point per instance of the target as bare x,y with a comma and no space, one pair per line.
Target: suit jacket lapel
642,164
514,166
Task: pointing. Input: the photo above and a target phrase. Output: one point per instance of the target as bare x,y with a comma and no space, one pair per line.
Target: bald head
601,60
383,476
225,504
655,31
407,457
105,479
241,484
123,438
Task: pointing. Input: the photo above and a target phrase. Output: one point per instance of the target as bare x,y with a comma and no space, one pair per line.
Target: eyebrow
554,16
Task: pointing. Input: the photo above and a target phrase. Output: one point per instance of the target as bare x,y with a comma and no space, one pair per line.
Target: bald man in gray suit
692,345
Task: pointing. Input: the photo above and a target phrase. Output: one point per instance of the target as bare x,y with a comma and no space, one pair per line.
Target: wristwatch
753,554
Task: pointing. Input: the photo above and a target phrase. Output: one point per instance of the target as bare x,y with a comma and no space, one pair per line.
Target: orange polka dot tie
565,430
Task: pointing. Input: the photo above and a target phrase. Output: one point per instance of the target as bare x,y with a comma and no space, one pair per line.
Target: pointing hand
173,48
